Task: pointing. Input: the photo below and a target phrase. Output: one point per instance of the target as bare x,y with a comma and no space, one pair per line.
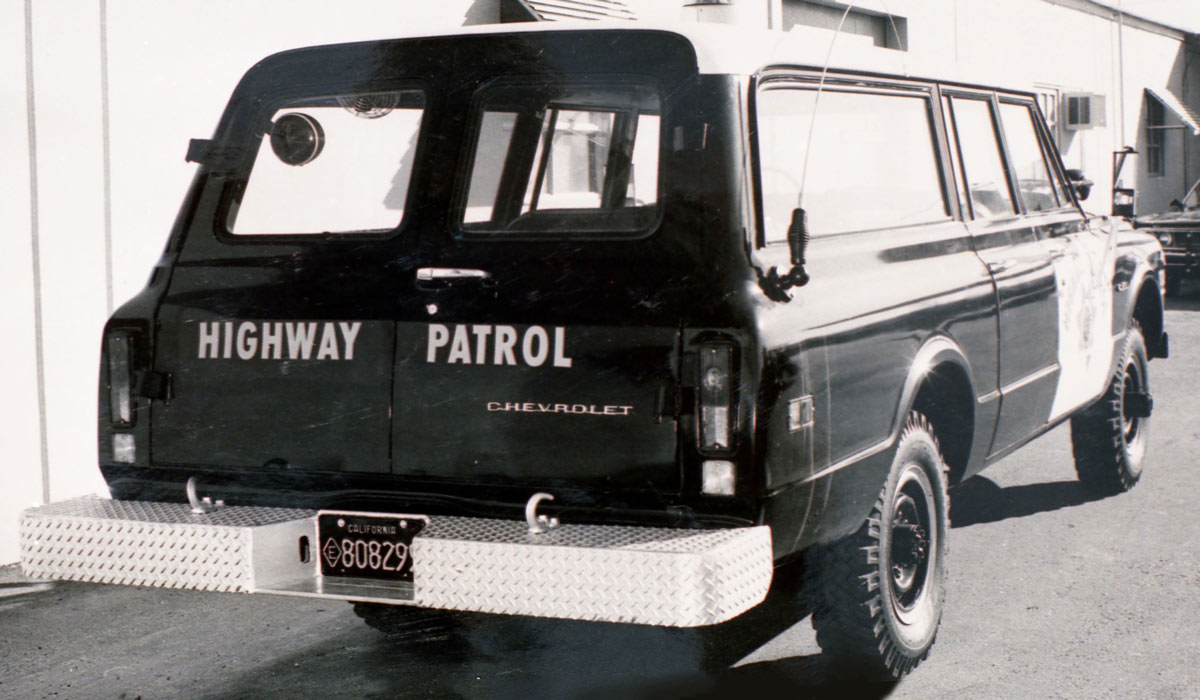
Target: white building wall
170,69
21,472
70,210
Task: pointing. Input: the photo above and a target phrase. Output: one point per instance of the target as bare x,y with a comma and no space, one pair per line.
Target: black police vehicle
603,324
1179,233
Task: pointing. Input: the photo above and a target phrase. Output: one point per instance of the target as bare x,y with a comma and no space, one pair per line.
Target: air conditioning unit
1082,110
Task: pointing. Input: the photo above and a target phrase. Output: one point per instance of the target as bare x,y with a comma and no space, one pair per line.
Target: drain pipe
1121,70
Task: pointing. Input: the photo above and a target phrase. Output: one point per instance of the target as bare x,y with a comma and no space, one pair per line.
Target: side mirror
1080,183
297,139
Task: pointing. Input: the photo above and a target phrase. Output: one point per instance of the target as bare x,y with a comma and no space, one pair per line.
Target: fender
1137,293
937,350
851,493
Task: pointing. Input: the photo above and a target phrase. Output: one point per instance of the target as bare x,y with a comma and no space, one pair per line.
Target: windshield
562,160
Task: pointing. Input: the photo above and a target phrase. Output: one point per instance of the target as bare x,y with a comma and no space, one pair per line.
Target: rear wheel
1109,439
880,591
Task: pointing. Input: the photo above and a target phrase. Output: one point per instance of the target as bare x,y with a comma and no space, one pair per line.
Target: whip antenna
773,284
816,102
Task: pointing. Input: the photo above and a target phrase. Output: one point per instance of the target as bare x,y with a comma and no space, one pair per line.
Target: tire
880,592
1108,442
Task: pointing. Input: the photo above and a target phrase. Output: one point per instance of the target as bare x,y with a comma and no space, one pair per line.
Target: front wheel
1109,439
881,591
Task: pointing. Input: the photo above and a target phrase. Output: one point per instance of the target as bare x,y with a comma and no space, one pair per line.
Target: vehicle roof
739,50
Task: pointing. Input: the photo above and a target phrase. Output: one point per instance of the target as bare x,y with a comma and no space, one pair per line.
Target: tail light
120,389
717,399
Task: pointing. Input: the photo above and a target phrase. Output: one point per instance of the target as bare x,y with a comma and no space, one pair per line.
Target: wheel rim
913,542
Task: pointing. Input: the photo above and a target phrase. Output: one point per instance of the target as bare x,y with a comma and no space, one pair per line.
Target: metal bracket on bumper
657,576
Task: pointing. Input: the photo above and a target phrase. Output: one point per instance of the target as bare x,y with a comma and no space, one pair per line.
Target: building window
888,31
1155,133
1048,99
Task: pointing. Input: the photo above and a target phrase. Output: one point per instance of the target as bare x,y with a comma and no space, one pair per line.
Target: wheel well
946,399
1148,312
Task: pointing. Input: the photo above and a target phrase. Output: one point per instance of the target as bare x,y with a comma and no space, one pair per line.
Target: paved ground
1051,595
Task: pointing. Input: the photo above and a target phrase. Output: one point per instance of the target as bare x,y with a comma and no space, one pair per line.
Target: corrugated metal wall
554,10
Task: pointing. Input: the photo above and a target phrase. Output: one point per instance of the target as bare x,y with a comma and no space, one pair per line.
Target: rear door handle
433,277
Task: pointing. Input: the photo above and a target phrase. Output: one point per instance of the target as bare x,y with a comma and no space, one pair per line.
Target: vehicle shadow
16,590
981,500
499,657
1184,302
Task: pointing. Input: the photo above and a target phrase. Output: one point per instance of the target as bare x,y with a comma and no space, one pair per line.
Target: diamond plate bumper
657,576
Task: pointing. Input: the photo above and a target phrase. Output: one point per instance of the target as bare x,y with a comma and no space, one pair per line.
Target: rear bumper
656,576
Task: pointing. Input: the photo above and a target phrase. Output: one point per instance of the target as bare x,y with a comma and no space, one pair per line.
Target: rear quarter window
863,160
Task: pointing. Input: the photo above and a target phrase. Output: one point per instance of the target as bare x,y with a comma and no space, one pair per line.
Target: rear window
562,160
331,164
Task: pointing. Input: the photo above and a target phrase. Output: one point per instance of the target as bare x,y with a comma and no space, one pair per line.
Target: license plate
367,545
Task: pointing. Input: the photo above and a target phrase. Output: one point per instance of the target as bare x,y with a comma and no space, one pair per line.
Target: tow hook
1138,404
200,506
538,524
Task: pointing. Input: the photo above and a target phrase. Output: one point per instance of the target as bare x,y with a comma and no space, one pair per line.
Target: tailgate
536,404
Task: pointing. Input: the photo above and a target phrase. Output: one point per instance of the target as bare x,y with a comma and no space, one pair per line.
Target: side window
872,163
987,182
1034,178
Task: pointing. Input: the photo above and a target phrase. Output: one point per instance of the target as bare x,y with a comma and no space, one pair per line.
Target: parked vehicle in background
603,324
1179,233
